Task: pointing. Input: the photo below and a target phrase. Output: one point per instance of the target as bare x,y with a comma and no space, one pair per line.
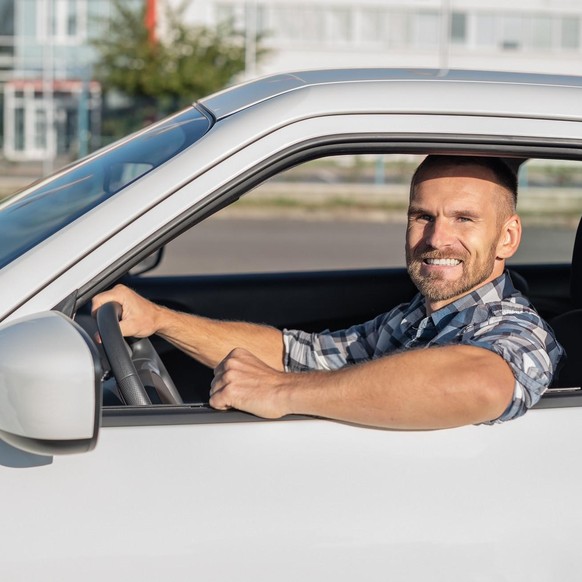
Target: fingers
117,293
228,372
136,312
245,382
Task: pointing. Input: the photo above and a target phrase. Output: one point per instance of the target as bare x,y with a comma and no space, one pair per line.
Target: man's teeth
443,262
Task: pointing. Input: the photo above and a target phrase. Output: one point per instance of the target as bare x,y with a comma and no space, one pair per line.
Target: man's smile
442,262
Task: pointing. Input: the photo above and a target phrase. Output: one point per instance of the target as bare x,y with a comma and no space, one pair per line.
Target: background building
52,107
523,35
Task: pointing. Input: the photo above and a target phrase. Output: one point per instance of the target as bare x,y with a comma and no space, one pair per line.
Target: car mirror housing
148,264
50,385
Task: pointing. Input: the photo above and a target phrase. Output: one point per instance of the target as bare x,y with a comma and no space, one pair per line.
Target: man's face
455,224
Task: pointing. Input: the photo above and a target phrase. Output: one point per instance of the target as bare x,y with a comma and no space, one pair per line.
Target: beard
435,287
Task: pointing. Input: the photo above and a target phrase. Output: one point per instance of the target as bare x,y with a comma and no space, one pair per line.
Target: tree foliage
184,63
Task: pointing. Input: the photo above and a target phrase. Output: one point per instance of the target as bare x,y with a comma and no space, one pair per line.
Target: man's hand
206,340
139,317
408,390
244,382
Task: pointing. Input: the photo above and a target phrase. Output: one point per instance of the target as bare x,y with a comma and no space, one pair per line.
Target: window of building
19,129
570,32
310,23
286,23
372,25
339,25
486,32
62,21
427,28
458,28
95,16
40,127
541,32
72,18
6,17
511,32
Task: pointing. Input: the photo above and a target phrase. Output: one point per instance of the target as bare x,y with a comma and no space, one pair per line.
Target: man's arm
206,340
420,389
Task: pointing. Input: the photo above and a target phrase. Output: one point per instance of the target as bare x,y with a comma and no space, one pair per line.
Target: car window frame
309,150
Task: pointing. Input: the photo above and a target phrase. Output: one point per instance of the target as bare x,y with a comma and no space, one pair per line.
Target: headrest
576,273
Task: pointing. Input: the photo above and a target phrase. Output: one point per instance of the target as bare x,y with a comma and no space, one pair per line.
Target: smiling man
462,225
467,349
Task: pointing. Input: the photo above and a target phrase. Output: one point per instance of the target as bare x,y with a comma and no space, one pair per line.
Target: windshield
37,213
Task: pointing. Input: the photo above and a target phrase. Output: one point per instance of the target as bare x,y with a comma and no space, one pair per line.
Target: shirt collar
494,291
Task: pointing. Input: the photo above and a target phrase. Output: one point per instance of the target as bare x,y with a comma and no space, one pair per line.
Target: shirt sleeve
530,349
332,350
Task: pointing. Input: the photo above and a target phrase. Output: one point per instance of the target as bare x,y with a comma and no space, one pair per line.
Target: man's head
462,225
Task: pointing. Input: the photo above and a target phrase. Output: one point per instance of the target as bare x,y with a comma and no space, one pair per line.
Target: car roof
463,85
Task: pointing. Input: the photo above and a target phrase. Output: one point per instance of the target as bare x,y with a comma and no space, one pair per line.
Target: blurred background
77,74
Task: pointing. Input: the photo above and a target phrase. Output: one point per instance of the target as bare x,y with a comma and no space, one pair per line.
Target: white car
160,486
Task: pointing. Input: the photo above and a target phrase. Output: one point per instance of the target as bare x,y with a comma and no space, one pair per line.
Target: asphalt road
227,245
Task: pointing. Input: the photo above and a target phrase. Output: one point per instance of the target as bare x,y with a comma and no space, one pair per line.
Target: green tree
184,63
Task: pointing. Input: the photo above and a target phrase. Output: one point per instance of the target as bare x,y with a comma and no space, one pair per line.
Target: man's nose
438,234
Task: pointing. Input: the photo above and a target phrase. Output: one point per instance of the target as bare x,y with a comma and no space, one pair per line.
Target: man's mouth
442,262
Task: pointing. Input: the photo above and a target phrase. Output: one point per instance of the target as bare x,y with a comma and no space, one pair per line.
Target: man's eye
464,219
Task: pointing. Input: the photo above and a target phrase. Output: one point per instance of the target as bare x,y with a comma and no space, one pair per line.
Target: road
258,245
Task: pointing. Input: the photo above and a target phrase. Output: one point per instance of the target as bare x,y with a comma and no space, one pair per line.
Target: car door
218,498
184,491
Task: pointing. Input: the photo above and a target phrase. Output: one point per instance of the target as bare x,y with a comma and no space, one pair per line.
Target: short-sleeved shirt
495,316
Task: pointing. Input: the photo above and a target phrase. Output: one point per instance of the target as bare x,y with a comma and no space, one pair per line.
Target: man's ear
509,238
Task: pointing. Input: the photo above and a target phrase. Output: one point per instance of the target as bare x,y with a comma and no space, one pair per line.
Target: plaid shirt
495,317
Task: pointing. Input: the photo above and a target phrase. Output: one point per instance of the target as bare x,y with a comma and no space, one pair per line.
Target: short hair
504,174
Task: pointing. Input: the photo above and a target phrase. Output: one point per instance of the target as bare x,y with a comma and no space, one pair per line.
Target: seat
519,282
568,326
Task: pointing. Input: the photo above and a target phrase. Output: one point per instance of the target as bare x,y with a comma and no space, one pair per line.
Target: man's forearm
422,389
209,341
429,388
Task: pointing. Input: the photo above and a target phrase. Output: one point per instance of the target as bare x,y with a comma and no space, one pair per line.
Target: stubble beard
435,287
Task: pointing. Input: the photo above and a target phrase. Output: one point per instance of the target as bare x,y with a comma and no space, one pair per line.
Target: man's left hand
245,382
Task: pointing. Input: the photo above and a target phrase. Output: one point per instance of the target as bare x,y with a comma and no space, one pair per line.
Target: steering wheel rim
134,363
119,355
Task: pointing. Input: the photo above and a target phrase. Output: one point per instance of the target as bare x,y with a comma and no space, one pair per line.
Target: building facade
523,35
51,105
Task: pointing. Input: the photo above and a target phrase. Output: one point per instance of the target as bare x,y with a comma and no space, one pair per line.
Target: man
468,348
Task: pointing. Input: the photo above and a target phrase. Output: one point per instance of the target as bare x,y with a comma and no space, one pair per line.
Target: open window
321,245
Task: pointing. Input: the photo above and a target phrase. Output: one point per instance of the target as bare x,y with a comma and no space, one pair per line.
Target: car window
32,216
550,206
349,212
341,212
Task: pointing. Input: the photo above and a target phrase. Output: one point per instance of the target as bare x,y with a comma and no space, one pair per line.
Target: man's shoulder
514,313
516,304
499,298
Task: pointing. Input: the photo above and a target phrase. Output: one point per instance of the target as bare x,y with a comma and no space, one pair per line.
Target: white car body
188,493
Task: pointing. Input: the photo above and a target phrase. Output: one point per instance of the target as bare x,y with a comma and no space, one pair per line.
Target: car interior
318,299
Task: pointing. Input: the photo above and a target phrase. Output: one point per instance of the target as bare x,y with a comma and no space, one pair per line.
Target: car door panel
283,499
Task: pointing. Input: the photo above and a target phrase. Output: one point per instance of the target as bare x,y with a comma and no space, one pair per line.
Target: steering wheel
131,364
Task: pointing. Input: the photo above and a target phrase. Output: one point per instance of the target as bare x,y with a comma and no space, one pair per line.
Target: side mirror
50,385
148,264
